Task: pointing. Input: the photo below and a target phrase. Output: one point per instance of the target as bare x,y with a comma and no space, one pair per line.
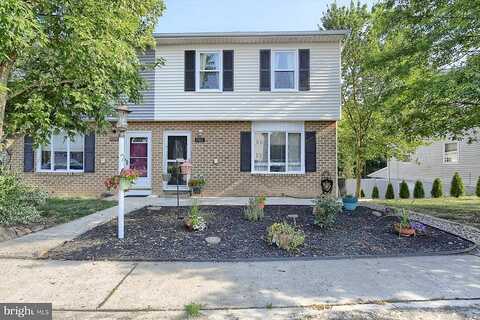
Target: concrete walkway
132,287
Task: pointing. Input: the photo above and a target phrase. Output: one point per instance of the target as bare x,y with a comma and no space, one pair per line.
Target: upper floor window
209,71
284,70
62,153
450,152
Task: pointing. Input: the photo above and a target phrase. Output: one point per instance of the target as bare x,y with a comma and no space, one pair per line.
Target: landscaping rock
213,240
21,231
7,233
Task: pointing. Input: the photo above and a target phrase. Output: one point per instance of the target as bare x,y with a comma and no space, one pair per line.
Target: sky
244,15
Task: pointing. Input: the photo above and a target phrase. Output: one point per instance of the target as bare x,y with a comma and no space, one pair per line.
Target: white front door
176,149
139,156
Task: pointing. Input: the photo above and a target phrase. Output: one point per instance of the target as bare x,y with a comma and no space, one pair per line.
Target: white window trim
280,127
52,159
445,152
197,71
272,70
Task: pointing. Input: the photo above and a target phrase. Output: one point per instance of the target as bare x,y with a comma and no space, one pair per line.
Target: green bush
456,188
325,211
18,202
477,190
390,194
437,188
404,192
375,193
285,236
418,192
253,212
362,194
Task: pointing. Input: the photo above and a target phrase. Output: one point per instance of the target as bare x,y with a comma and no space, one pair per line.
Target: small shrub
418,192
194,220
325,211
362,194
375,193
18,202
457,189
404,192
193,309
437,188
390,194
253,212
285,236
477,190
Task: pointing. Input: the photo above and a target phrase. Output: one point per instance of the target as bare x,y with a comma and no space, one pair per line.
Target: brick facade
222,142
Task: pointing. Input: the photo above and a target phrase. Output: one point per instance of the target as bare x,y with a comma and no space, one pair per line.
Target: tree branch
36,86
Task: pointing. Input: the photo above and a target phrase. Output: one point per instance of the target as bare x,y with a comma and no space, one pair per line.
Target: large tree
433,63
364,132
66,61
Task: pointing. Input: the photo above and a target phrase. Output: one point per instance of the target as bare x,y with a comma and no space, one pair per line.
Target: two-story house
254,112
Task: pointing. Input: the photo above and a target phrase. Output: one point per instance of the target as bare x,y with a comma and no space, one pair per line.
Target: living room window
284,70
62,154
209,73
450,152
278,150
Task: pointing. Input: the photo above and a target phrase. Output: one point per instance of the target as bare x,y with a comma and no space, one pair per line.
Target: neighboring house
439,159
254,112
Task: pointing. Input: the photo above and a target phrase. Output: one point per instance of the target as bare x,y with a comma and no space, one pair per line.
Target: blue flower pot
350,203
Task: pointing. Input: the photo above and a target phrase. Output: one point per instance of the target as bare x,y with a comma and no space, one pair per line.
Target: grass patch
464,210
193,309
61,210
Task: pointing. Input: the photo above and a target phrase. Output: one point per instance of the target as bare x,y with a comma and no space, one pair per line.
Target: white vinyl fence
368,184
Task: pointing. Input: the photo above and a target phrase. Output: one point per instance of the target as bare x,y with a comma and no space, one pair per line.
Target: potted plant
194,221
404,228
124,180
260,201
196,184
350,202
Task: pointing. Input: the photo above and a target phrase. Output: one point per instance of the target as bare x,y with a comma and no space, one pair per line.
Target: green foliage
405,219
19,202
457,188
437,188
285,236
362,193
477,190
67,61
193,309
195,219
404,192
375,193
253,212
418,192
325,210
390,193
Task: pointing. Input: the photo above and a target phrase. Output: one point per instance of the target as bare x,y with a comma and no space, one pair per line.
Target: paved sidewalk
129,286
36,244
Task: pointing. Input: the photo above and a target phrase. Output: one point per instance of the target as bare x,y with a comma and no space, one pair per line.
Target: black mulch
159,235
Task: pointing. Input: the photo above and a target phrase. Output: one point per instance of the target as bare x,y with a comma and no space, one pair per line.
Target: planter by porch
196,190
350,203
403,231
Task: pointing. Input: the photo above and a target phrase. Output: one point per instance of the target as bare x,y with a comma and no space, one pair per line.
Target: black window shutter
310,151
227,70
190,70
89,153
245,151
28,155
265,70
304,72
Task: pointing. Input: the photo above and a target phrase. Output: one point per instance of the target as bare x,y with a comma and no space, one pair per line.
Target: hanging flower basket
186,168
123,181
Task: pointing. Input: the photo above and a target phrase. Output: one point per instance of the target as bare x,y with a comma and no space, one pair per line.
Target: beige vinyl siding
246,102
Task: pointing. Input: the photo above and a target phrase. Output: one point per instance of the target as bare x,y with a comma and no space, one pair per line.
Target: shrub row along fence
379,188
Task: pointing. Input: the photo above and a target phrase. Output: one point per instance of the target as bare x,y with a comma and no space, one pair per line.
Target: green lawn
464,210
61,210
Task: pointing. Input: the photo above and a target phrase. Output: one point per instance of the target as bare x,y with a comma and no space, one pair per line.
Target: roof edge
250,34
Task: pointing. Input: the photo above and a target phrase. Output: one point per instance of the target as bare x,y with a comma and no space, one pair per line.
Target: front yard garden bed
160,235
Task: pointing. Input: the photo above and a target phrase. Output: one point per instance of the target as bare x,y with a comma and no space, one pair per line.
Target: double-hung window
450,152
284,70
278,150
62,154
209,71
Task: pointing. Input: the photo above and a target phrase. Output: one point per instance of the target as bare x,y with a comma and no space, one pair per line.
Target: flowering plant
126,178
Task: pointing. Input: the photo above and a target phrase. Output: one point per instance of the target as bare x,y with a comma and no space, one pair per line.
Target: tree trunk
4,74
358,174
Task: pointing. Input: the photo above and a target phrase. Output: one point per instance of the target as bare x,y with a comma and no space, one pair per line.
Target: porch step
183,194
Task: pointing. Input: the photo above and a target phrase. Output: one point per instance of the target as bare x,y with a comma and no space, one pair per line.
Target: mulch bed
159,235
